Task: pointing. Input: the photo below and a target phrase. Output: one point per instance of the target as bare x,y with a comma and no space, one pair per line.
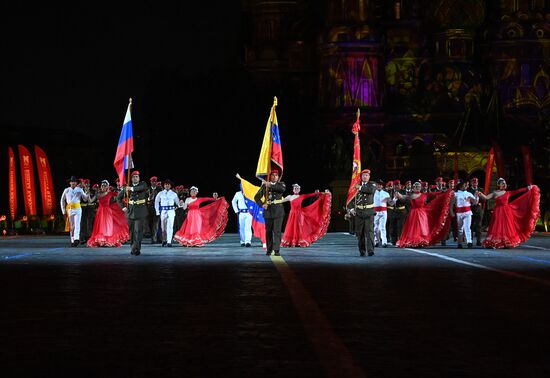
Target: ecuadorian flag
258,223
271,154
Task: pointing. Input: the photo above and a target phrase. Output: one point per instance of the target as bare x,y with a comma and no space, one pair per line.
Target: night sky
198,117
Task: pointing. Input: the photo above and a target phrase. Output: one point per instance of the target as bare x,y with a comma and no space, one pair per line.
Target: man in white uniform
245,218
166,202
70,206
463,202
381,198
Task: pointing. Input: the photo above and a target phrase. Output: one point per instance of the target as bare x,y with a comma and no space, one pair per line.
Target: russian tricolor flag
258,222
123,158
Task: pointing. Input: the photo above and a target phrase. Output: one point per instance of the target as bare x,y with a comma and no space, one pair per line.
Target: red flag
489,168
499,160
27,177
356,166
527,164
46,182
12,184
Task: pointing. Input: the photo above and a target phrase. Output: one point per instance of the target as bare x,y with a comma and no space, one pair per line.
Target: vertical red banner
489,168
27,177
46,182
527,164
12,184
499,160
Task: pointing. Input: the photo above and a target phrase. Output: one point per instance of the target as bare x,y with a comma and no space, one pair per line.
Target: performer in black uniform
135,209
153,220
181,214
399,212
390,212
364,214
274,212
477,210
88,213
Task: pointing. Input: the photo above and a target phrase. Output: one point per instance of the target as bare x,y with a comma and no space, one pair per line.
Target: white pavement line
330,349
504,272
534,247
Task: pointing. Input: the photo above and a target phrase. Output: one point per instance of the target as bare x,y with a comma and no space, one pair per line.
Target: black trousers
273,233
351,221
399,217
390,225
477,218
153,224
364,230
87,223
136,232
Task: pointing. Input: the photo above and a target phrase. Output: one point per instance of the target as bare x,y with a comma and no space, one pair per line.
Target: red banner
527,164
27,177
356,168
46,182
12,184
489,168
499,160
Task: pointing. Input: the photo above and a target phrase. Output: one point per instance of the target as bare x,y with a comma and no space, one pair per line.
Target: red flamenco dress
427,223
309,223
205,222
110,226
513,221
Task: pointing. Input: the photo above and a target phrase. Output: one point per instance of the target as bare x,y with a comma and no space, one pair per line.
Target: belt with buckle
400,208
137,202
364,206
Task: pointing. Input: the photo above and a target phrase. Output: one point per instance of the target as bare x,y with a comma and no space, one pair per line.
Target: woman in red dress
110,226
206,219
514,216
427,222
306,223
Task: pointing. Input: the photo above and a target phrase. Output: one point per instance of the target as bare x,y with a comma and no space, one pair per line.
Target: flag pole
269,166
129,156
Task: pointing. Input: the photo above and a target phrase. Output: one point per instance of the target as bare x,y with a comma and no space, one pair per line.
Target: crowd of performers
381,214
419,215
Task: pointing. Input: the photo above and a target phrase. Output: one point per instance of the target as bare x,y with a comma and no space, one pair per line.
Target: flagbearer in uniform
88,213
136,210
244,218
274,211
165,204
70,206
364,214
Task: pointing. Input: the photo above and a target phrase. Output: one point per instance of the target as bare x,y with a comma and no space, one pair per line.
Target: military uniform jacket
476,207
152,195
275,194
137,201
365,197
400,205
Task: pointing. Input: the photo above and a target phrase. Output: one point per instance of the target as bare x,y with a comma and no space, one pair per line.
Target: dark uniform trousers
364,230
273,215
390,223
399,217
137,213
364,218
153,220
87,221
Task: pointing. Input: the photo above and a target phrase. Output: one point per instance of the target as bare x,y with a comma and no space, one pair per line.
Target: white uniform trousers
75,216
167,225
464,222
380,227
245,227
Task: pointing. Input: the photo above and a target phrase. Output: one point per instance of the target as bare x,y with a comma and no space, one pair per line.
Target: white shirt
71,195
238,202
461,198
380,198
166,198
